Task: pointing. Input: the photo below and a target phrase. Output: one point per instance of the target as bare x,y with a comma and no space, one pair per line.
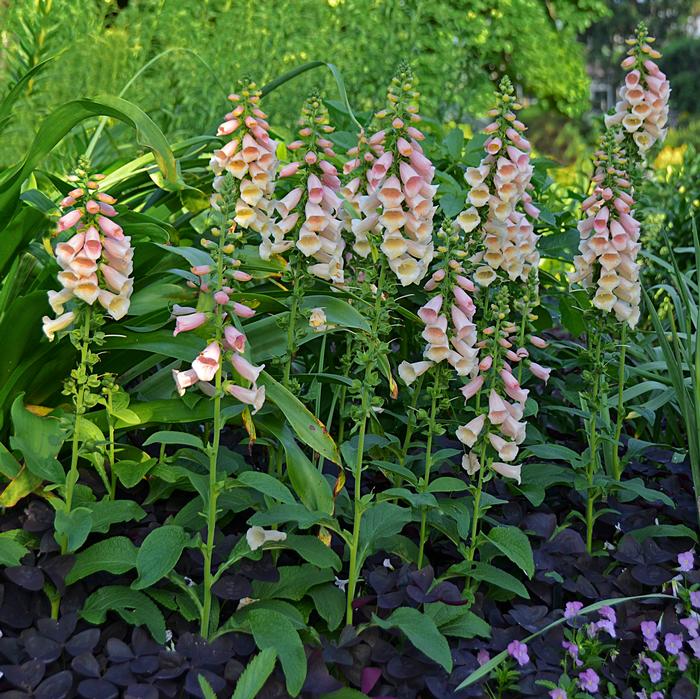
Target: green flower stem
365,406
593,440
477,504
110,448
411,420
213,449
319,386
343,393
428,465
354,573
81,383
291,330
620,417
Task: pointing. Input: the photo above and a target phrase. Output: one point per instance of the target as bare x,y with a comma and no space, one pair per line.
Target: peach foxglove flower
410,372
53,325
234,339
498,410
507,470
254,397
469,433
184,379
506,450
207,362
317,320
470,463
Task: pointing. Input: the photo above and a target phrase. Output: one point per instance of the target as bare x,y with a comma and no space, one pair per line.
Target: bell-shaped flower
207,362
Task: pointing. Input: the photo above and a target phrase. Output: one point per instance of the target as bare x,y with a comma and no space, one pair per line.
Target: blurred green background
177,59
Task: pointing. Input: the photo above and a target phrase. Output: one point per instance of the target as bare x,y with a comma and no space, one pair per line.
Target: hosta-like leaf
514,545
115,555
159,553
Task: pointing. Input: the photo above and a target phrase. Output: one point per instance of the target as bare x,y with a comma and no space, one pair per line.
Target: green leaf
274,630
11,550
75,526
115,555
39,439
338,312
447,484
166,437
457,621
307,427
17,90
207,690
514,545
308,482
9,466
454,142
329,602
158,555
657,531
313,550
267,485
421,631
255,674
134,607
556,452
636,487
485,572
105,513
379,522
130,473
294,582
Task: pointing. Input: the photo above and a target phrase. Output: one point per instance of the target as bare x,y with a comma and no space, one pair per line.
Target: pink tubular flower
184,379
498,411
190,321
254,397
245,368
243,311
207,362
473,387
234,339
539,371
69,220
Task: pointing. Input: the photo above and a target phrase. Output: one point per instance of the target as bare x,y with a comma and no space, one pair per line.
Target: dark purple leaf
60,630
41,648
86,665
233,587
370,677
83,642
141,691
97,689
25,676
55,687
26,577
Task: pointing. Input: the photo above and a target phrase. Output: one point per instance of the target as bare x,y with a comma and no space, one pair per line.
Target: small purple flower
482,657
673,642
558,694
589,680
649,630
654,668
604,624
691,625
518,651
572,649
657,695
695,599
682,661
608,613
572,609
694,644
686,561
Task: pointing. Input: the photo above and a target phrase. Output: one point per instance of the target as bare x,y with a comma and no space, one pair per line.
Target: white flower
257,537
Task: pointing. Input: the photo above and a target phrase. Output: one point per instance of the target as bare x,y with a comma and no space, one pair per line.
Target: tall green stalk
593,408
435,390
213,450
620,416
81,386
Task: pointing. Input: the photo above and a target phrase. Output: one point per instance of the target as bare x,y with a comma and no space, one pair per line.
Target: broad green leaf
556,452
329,602
11,550
39,439
447,484
63,119
421,631
75,526
274,630
294,582
514,545
635,487
255,674
312,549
158,555
307,481
9,466
266,484
166,437
485,572
132,472
658,531
457,621
115,555
338,312
380,521
134,607
307,427
105,513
